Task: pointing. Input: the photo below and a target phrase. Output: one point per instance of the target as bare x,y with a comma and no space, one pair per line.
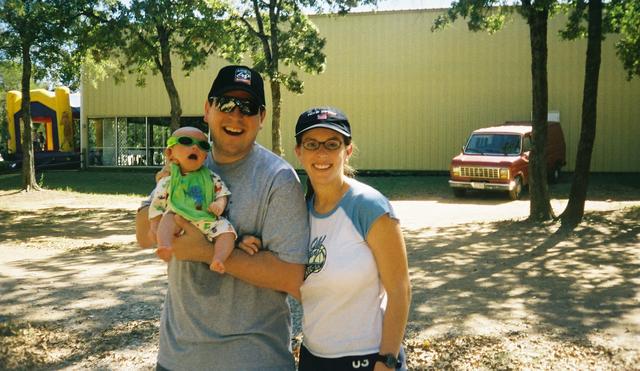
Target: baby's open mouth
193,156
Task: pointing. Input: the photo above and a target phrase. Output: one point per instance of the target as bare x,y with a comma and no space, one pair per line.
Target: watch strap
389,360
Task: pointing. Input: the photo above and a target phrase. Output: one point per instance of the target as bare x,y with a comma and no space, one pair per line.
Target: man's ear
207,107
263,114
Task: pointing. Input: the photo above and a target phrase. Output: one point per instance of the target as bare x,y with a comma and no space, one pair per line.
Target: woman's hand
250,244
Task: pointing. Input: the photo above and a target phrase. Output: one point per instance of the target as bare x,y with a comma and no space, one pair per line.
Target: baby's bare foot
217,266
164,253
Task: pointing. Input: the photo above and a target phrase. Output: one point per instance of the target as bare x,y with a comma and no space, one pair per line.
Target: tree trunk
540,206
572,215
276,97
167,78
276,142
28,164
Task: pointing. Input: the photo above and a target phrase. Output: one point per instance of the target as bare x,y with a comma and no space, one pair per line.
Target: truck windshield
493,144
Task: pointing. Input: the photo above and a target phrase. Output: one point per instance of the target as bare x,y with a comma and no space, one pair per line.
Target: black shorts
309,362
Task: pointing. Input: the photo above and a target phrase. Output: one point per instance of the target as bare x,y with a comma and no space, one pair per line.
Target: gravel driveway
488,292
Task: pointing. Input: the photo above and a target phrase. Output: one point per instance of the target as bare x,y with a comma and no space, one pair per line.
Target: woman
356,291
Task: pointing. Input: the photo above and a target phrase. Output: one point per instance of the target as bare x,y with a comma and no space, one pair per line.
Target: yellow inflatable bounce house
54,123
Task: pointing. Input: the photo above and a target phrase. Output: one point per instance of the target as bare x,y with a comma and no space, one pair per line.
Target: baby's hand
217,207
250,244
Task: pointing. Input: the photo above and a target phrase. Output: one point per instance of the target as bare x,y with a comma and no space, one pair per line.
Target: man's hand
191,245
142,229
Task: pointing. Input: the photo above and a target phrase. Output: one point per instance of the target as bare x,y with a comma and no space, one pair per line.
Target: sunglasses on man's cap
188,141
228,104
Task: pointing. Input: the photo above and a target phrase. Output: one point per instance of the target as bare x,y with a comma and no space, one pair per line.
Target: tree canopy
42,36
146,35
282,40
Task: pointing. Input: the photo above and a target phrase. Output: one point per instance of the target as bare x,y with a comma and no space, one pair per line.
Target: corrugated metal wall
413,95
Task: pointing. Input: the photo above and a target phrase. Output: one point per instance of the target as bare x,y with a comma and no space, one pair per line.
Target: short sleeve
158,204
286,227
219,187
366,207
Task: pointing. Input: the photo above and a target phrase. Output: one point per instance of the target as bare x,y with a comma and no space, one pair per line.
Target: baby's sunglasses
188,141
329,145
227,104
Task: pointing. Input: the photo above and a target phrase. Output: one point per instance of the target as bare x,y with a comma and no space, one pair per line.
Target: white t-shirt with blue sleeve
342,295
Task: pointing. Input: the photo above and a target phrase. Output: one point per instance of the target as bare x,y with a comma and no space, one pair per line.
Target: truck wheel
514,194
459,192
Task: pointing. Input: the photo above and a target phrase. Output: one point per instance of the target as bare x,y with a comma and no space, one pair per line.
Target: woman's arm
387,244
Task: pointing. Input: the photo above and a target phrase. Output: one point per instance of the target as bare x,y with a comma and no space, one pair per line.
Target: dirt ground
489,291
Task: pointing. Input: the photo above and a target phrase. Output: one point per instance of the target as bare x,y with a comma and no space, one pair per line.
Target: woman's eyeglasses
188,141
227,104
329,145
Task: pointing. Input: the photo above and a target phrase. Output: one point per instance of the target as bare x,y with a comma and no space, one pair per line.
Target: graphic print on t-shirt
317,256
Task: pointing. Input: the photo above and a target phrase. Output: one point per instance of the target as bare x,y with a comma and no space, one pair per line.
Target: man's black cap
238,78
323,117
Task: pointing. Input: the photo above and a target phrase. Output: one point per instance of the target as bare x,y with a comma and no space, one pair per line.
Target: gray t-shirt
217,322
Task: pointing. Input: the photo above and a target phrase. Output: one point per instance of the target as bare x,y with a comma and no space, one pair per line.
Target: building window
102,142
132,141
159,132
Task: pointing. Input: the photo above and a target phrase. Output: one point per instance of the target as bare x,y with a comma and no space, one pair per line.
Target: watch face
390,362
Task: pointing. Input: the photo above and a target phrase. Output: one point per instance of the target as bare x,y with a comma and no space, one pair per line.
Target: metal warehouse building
412,95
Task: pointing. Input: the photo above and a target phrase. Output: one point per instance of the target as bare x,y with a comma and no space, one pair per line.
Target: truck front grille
480,172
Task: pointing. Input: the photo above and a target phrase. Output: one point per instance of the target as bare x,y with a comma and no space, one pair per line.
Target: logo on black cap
243,75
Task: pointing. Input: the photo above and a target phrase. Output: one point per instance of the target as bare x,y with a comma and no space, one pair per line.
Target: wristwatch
389,360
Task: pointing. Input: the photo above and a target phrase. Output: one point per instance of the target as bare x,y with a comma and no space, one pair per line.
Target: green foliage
10,73
47,30
277,31
149,30
487,15
619,16
625,19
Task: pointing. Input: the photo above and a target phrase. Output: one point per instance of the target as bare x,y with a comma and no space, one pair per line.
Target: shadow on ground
23,226
466,278
88,295
89,302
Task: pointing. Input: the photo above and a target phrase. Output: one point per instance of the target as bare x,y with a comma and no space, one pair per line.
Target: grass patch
602,186
101,182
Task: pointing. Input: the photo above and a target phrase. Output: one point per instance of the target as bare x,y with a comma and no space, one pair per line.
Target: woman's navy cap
323,117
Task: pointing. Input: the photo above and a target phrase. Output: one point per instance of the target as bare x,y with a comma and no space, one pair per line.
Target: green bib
191,194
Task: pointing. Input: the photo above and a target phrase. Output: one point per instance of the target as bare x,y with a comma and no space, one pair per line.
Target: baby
195,193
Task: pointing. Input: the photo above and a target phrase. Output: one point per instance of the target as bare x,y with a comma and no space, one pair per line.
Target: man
239,320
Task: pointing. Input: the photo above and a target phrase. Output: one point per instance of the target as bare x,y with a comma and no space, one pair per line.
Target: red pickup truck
497,159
